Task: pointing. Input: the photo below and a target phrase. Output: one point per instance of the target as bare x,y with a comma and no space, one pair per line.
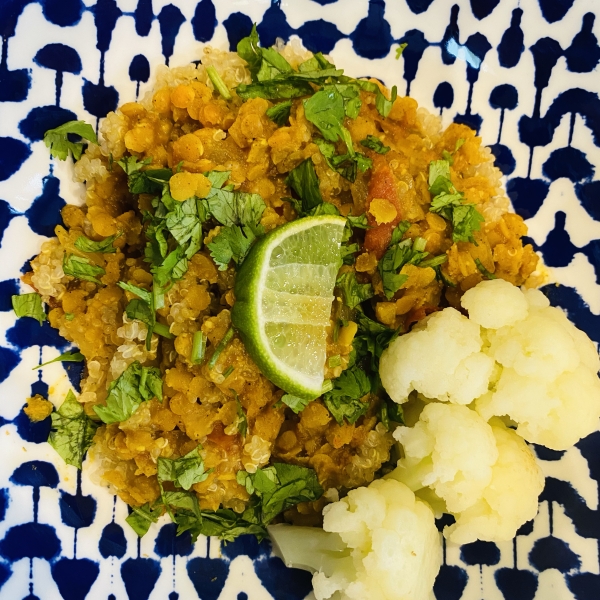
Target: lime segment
284,293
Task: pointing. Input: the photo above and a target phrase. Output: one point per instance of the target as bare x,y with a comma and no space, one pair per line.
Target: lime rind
284,293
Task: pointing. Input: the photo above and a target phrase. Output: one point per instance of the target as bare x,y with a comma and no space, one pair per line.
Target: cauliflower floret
485,309
450,449
441,358
510,499
377,543
556,414
485,474
548,385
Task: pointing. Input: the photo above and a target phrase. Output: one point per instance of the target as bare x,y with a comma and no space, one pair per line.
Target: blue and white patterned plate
525,74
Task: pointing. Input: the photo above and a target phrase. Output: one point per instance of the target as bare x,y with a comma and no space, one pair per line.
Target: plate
523,74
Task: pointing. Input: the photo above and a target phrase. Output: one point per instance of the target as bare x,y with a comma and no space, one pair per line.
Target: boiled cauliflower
377,543
549,383
441,358
484,474
515,356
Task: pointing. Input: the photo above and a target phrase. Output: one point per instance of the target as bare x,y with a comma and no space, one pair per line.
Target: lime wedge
284,293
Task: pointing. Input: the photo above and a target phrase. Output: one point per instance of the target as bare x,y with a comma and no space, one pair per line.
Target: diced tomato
381,185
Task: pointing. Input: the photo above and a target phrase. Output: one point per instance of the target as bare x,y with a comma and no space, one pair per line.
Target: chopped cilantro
236,208
280,113
231,243
280,487
134,386
82,268
185,471
218,83
242,420
400,49
141,517
69,316
448,202
396,256
344,400
220,347
304,181
65,357
198,348
105,246
375,144
353,293
293,402
483,270
29,305
57,139
72,431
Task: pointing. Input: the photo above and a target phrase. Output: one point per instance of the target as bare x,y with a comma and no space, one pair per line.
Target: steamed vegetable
516,356
378,543
483,474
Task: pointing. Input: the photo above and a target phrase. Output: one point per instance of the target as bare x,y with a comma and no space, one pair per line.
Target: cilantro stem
419,244
335,361
162,330
483,270
218,83
198,348
220,347
228,371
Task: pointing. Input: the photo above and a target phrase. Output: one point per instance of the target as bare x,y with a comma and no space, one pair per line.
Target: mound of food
346,221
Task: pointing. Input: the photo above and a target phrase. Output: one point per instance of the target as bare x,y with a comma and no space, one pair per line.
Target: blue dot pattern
524,75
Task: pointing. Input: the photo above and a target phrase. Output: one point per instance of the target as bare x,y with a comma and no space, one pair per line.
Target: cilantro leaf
344,400
57,139
370,341
353,293
304,181
400,49
274,90
84,244
231,243
82,268
295,403
397,255
65,357
375,144
448,202
325,110
134,386
227,525
149,181
248,48
185,471
383,105
280,113
145,295
390,412
29,305
466,219
236,208
280,487
72,431
346,165
141,517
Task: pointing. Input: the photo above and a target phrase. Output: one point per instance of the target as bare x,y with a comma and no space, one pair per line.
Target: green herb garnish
57,139
72,431
29,305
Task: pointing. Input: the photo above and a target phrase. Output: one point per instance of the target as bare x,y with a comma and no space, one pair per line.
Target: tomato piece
382,186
